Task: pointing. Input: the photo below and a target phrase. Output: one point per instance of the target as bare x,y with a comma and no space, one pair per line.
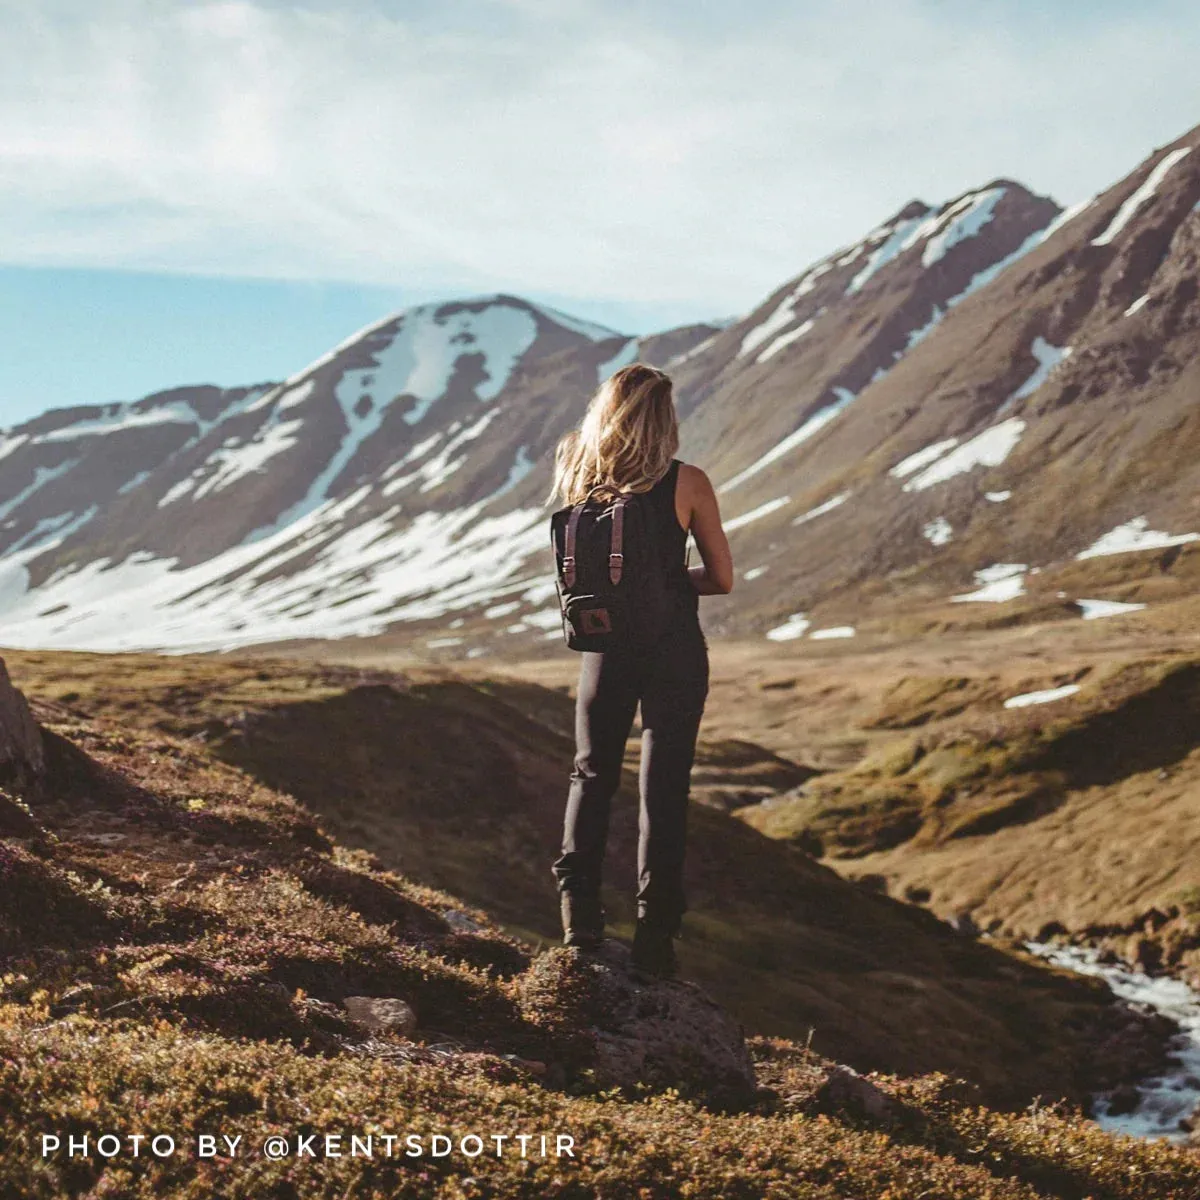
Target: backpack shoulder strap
568,564
616,559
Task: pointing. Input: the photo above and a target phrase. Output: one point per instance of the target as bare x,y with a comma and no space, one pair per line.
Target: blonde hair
627,438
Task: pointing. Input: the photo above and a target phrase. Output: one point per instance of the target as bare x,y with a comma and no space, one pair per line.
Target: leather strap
616,560
569,546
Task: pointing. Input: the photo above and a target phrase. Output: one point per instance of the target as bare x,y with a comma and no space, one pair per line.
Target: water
1168,1099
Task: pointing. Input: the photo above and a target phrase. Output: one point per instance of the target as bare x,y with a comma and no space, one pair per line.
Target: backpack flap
609,575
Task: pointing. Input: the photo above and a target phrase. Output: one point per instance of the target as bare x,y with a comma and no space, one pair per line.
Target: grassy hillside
458,784
178,937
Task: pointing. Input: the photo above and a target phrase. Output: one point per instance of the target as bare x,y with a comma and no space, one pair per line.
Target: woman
627,443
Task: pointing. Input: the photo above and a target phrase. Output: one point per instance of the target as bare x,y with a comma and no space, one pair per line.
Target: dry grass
177,938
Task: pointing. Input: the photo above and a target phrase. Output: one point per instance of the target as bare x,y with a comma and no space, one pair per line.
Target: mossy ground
177,939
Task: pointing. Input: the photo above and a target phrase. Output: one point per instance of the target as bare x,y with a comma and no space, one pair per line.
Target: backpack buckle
616,564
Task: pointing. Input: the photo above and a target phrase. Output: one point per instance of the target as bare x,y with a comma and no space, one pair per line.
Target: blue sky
220,190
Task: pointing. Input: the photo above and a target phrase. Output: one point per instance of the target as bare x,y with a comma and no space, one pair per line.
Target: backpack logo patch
595,620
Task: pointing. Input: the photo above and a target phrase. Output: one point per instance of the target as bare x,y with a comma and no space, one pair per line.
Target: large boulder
22,758
629,1033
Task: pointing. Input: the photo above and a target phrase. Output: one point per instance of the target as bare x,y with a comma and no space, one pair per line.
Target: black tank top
673,538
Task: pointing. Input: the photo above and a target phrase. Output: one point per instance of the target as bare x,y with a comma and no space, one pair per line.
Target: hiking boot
654,951
582,920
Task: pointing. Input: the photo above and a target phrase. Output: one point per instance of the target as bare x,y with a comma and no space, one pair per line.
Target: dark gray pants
671,683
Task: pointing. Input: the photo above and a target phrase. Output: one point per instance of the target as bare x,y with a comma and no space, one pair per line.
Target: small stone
964,923
1123,1100
460,922
382,1014
1145,953
847,1091
105,839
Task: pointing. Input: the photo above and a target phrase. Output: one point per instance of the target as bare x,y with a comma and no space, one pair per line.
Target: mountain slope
393,469
1049,410
932,428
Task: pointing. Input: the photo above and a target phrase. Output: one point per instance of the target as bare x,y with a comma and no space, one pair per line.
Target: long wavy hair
626,441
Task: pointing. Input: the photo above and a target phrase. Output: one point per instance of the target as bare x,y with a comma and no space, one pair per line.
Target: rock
1144,952
846,1091
382,1014
22,759
964,923
628,1032
1154,920
460,922
1123,1100
105,839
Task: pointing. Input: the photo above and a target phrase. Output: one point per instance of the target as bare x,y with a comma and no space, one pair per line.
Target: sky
219,190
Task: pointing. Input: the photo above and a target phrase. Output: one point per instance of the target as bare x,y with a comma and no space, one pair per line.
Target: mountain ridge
885,431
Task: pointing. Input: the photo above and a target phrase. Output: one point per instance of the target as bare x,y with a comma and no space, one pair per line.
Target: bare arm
715,577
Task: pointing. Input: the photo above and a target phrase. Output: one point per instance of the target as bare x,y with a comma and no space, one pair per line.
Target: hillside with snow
938,424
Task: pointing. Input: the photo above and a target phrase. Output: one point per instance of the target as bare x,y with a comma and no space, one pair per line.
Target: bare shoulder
693,480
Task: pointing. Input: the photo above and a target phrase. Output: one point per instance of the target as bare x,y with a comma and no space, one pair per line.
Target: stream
1166,1099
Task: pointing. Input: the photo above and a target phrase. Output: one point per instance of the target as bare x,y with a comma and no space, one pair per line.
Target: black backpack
610,572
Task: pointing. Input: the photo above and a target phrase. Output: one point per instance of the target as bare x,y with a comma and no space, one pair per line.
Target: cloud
659,152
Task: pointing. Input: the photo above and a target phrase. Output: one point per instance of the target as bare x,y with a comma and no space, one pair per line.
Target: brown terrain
950,445
185,940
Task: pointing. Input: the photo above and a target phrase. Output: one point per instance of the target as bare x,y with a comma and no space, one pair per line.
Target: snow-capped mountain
388,480
1049,416
969,396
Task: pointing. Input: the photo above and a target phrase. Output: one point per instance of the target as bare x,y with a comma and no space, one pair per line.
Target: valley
215,853
302,721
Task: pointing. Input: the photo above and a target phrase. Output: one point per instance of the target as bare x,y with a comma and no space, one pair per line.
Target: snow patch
812,426
1138,304
834,631
1094,610
1048,357
9,444
793,627
997,497
898,240
962,220
125,417
545,618
234,460
355,581
780,317
922,458
938,531
1044,697
756,513
1135,535
987,449
821,509
997,583
785,339
41,477
293,397
501,610
1139,197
